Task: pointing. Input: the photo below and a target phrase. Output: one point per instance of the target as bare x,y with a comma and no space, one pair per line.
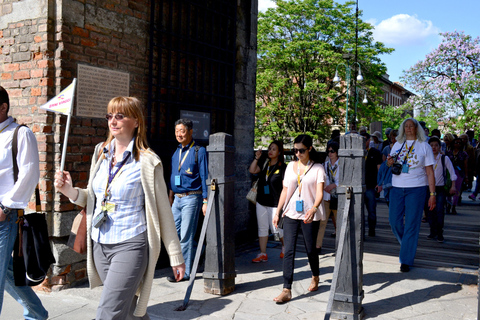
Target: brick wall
38,59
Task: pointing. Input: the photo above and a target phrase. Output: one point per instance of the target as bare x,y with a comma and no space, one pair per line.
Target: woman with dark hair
459,160
412,179
301,200
128,215
330,199
270,177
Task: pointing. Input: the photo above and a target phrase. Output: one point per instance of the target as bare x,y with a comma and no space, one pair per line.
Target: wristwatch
6,210
433,193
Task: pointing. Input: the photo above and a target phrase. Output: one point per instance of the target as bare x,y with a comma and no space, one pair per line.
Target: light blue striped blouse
127,220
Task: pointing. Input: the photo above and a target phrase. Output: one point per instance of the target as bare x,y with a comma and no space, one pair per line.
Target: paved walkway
389,294
426,292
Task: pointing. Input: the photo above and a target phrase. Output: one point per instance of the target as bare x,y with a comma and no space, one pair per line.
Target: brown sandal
285,296
314,283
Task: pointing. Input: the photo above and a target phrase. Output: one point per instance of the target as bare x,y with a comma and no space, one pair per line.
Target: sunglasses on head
302,151
118,116
331,151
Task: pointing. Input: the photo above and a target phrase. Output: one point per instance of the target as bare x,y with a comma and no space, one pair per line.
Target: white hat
378,135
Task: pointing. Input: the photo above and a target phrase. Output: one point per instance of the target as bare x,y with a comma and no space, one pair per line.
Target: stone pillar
348,292
219,274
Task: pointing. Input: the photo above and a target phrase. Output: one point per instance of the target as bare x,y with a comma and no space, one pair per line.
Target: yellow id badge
109,207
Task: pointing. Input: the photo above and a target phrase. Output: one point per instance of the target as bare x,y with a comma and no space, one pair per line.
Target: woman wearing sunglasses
301,200
269,189
127,210
330,199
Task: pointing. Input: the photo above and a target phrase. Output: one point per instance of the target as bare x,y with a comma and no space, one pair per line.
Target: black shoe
371,233
172,279
404,267
333,235
454,211
440,239
431,236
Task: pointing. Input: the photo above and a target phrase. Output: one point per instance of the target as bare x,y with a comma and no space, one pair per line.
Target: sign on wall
96,87
201,123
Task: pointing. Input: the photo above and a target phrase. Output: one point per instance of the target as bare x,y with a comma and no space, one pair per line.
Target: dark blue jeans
436,218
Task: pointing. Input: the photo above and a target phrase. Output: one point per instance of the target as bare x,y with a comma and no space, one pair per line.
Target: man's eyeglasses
302,151
331,151
118,116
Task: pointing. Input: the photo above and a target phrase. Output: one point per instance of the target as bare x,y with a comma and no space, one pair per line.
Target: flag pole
67,129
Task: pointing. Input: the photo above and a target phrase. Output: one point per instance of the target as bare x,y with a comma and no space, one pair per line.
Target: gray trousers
121,267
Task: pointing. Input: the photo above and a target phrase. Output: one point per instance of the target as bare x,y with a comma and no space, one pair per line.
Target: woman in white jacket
127,215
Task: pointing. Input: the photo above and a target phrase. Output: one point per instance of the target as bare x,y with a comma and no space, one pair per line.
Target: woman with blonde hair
127,211
412,160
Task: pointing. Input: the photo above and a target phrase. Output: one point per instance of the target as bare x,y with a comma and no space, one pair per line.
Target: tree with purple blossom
448,82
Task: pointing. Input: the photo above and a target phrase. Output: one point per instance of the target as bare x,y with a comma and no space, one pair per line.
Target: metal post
219,274
347,285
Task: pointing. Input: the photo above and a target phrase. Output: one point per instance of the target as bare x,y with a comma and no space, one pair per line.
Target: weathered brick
36,92
88,43
42,63
15,93
100,37
95,53
42,28
6,76
11,67
21,56
79,57
27,65
37,73
80,32
37,39
24,74
28,83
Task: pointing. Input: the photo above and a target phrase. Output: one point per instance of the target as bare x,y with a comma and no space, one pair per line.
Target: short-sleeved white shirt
418,158
309,182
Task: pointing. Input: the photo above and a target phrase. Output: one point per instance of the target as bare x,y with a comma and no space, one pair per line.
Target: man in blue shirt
188,194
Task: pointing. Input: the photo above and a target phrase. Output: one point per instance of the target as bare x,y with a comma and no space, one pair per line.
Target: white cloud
403,29
263,5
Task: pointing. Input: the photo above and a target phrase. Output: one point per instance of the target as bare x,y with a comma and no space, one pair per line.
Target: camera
99,219
396,168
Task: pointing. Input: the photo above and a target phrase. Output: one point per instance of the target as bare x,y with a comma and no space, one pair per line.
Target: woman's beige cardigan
160,224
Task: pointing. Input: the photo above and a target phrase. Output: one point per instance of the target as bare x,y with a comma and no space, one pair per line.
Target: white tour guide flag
63,102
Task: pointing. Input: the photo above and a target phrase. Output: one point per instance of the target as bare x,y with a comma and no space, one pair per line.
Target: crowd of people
131,209
407,166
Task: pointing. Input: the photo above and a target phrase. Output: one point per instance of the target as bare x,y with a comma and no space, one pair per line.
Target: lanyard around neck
180,163
5,127
408,152
268,169
111,176
332,172
299,180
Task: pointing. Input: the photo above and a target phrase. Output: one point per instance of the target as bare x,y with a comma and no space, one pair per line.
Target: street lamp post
364,101
336,79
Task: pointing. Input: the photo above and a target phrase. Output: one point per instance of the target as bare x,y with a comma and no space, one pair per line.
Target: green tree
448,83
300,44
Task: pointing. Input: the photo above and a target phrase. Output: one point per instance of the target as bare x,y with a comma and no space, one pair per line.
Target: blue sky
411,27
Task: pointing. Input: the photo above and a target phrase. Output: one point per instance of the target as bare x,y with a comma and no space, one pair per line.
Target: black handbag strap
15,165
